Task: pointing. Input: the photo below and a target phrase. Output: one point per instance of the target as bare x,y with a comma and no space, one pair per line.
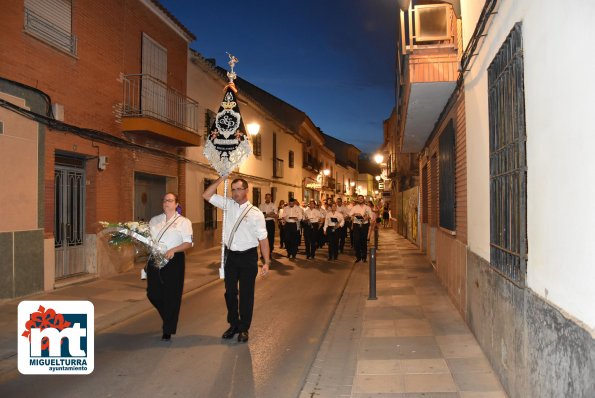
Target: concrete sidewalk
411,342
115,299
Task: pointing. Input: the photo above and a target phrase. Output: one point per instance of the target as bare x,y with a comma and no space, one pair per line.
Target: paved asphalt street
294,305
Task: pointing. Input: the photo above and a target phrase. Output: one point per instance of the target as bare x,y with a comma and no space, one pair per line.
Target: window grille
256,196
51,21
257,145
291,159
508,162
446,190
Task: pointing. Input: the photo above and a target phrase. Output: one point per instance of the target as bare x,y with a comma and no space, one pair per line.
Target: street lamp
378,158
326,172
253,128
377,178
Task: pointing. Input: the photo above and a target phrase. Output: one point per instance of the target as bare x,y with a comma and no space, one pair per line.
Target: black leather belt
241,252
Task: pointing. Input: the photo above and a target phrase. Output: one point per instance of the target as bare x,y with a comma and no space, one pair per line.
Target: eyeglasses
237,189
169,200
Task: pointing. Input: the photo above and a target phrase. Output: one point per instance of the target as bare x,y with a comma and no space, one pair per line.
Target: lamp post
378,158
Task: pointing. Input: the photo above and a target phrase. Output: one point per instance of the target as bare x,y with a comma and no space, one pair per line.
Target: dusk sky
332,59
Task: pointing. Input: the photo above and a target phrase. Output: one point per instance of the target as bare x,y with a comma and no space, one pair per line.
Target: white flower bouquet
135,233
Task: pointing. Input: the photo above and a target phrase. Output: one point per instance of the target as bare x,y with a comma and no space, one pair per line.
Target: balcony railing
312,164
49,32
146,96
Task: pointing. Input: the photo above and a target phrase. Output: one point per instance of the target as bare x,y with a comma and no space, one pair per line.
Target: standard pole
376,237
372,295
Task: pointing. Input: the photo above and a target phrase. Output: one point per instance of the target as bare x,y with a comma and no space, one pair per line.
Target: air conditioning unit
431,22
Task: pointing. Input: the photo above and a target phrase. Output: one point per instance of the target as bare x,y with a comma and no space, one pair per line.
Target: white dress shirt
328,222
180,230
268,208
252,228
360,210
313,215
294,211
343,210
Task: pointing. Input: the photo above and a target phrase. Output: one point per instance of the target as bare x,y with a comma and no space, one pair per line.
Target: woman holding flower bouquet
165,285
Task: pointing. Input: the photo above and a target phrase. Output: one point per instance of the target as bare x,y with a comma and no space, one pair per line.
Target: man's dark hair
244,182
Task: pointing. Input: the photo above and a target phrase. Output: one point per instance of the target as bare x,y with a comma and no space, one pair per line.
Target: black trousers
332,236
342,236
311,238
241,269
271,233
360,240
164,290
291,238
321,238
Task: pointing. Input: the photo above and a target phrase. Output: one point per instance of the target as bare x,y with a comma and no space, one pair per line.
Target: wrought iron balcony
146,96
312,163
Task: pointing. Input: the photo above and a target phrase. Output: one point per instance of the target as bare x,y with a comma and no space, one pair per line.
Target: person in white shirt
280,222
270,217
165,285
312,224
292,215
349,221
360,215
241,263
333,224
343,231
323,207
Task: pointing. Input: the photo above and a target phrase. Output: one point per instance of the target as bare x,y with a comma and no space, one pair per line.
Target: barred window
508,162
446,154
291,159
51,21
257,145
256,196
210,210
290,195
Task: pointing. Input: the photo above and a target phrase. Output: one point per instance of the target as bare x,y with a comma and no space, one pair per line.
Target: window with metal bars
257,145
256,196
446,190
51,21
210,210
508,162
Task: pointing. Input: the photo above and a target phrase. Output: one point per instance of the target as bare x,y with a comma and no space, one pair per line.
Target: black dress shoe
229,333
166,337
243,337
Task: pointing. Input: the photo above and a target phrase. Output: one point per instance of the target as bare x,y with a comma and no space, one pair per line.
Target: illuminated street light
352,183
377,178
378,158
326,172
253,128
